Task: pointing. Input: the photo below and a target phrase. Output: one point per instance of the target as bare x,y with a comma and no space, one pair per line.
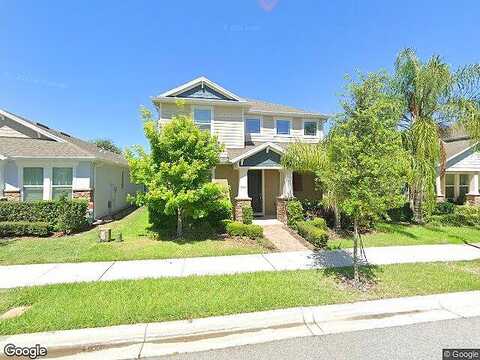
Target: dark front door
255,190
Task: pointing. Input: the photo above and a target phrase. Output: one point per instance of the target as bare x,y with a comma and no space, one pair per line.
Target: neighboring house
460,183
39,163
255,134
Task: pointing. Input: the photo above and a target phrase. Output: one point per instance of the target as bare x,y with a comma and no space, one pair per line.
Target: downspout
94,169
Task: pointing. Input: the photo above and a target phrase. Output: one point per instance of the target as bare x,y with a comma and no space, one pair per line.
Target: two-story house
255,134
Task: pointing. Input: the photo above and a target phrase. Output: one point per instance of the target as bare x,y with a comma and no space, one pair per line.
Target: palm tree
434,98
313,157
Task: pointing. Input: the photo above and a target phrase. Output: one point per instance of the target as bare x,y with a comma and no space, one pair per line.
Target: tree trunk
338,222
179,223
356,237
418,207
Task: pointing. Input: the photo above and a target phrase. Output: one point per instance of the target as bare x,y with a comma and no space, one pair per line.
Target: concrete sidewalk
42,274
157,339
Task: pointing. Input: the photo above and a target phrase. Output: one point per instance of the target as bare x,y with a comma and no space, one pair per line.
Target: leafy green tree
433,97
107,144
365,149
177,171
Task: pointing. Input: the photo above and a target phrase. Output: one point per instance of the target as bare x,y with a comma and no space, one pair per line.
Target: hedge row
235,228
23,228
61,215
314,231
465,215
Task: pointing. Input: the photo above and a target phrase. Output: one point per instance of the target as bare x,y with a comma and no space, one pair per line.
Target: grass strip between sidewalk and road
69,306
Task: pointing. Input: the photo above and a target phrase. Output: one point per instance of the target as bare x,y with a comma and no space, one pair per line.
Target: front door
255,190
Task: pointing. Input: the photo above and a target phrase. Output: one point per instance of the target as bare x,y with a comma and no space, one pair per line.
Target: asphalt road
412,342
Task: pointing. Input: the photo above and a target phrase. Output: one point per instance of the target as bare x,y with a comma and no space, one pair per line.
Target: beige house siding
272,190
309,190
10,128
228,126
228,122
230,174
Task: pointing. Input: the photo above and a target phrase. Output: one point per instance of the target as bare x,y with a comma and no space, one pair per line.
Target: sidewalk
41,274
157,339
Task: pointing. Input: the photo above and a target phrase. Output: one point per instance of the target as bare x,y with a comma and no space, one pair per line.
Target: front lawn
137,244
402,234
98,304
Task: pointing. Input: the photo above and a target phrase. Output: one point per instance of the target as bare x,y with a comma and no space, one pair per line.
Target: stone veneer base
282,214
239,204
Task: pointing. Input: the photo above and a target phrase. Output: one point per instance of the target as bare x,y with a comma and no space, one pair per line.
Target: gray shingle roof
72,147
453,147
260,105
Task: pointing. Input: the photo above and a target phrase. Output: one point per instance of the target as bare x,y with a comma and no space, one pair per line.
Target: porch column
473,196
242,200
438,185
286,178
286,183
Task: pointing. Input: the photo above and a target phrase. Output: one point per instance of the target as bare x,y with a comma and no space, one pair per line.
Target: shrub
23,228
401,214
312,208
445,207
319,223
62,215
294,213
313,234
235,228
247,215
465,215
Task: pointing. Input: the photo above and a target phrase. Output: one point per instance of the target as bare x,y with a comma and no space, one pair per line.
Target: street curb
156,339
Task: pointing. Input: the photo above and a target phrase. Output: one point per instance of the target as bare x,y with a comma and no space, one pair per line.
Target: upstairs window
310,128
32,183
252,126
283,127
62,182
202,116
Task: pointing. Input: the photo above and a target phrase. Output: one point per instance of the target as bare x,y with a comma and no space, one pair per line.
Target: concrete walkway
278,235
156,339
41,274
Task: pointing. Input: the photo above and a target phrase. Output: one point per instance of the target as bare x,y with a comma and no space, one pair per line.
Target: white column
456,188
47,183
2,177
438,184
473,184
242,183
287,180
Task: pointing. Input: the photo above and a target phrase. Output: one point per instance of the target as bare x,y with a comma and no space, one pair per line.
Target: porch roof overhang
264,147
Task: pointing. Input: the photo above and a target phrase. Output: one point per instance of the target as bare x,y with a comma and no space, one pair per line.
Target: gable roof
58,145
252,150
187,91
201,81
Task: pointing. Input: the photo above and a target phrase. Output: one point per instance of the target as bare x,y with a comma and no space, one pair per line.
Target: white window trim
203,107
303,128
254,117
276,127
47,177
22,188
62,186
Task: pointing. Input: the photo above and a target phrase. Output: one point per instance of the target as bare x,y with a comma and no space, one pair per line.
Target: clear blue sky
85,67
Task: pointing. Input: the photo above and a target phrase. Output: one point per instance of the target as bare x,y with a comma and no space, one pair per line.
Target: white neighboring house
460,182
39,163
255,134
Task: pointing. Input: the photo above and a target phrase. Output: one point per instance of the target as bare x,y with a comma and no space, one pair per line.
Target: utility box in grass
105,235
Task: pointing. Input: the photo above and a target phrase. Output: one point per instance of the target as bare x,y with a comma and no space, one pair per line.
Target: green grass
400,234
137,244
97,304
